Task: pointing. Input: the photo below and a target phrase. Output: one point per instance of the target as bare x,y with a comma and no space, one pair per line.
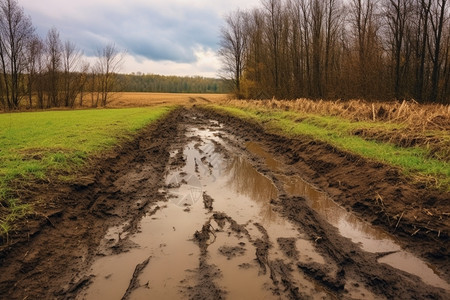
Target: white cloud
206,64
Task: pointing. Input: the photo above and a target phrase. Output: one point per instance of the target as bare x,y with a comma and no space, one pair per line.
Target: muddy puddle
249,247
369,238
218,235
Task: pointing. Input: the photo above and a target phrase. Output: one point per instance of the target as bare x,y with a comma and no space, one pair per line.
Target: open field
226,199
151,99
135,99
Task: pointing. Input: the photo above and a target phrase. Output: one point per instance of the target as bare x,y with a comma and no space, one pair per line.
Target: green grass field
413,161
34,145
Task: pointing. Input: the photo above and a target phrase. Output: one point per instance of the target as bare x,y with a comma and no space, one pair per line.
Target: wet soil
206,206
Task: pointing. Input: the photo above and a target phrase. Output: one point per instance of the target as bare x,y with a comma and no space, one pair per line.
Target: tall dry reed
416,116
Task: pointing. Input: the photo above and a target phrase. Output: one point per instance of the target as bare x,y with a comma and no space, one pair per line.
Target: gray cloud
142,30
167,30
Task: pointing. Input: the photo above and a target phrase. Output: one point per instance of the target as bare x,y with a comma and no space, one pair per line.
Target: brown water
165,237
240,192
369,238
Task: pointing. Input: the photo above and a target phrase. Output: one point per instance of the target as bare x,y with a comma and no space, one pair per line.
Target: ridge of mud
279,271
134,282
206,288
207,200
118,187
376,192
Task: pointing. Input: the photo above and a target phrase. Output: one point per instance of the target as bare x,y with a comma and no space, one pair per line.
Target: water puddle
368,237
163,259
160,240
256,149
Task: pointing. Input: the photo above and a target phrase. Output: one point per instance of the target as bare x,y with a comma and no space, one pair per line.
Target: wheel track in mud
50,263
360,186
350,261
38,269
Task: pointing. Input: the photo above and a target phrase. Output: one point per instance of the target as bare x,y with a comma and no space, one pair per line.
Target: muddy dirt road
204,206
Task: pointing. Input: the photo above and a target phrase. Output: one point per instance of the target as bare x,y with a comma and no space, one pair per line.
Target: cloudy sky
169,37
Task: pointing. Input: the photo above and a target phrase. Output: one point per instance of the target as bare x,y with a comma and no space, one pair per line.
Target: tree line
371,49
170,84
47,72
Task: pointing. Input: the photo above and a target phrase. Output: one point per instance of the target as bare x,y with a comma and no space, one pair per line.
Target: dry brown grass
152,99
415,116
425,125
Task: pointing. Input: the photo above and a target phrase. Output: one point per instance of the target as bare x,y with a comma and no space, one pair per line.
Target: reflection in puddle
409,263
162,237
254,148
245,180
350,226
369,238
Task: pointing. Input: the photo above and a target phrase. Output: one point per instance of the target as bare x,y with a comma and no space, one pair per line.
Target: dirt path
204,206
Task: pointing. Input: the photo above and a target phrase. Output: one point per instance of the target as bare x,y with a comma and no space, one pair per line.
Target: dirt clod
231,252
208,201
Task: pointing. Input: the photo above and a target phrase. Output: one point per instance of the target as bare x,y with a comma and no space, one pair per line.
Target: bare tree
34,68
334,20
306,14
439,16
420,40
317,20
274,21
254,59
84,80
446,75
108,64
365,31
16,31
93,87
343,49
233,46
54,66
397,14
297,48
71,79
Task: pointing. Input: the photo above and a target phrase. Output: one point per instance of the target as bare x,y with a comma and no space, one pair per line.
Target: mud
48,260
370,238
205,206
207,201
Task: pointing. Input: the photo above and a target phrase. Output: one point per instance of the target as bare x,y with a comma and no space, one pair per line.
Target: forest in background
171,84
336,49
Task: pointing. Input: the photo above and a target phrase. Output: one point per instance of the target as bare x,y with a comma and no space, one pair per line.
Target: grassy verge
413,161
33,145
